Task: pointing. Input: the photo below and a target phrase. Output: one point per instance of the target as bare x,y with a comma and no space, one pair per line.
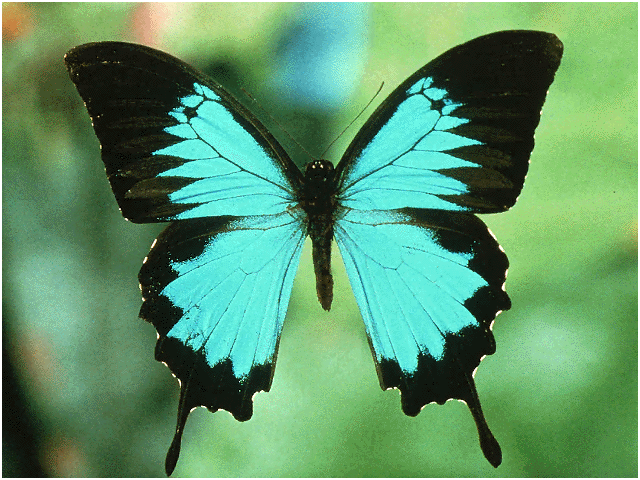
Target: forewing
174,143
217,292
457,134
429,285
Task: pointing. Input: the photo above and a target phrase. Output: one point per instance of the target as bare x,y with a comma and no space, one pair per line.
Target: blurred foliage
83,395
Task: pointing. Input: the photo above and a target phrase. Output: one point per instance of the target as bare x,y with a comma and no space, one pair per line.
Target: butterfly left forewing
174,143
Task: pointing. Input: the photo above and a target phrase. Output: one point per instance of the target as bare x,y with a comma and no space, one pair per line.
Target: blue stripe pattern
234,300
233,174
400,166
411,291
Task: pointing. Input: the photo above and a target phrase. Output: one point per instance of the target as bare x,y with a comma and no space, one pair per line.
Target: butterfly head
319,171
319,186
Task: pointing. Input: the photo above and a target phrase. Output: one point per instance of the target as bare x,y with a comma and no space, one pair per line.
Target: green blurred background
83,395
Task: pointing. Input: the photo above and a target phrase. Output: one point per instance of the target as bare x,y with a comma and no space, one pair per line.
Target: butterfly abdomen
318,202
322,265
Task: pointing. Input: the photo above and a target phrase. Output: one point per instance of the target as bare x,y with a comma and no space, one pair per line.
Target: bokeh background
82,393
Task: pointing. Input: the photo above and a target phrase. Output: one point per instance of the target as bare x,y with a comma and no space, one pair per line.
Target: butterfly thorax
318,202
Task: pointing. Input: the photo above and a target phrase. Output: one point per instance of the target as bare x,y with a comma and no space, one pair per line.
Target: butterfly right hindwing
428,299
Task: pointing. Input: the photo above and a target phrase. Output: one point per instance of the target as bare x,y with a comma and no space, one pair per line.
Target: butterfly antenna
352,121
277,123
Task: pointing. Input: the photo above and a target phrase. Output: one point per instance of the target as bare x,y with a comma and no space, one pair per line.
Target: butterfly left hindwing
219,308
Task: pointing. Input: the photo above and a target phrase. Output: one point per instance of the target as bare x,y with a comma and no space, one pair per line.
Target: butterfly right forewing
458,133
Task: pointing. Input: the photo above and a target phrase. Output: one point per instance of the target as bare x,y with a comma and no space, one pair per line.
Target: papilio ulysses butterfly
451,141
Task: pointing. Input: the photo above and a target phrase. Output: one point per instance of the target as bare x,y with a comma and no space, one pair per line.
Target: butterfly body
319,204
451,141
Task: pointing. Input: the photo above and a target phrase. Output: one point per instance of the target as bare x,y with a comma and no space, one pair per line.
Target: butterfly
452,141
